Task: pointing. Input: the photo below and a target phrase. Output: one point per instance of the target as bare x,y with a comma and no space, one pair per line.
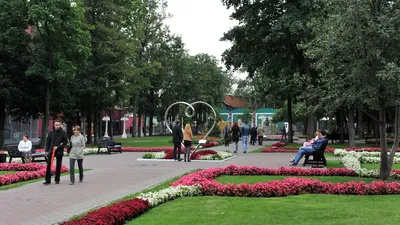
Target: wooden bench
318,158
38,155
13,152
110,145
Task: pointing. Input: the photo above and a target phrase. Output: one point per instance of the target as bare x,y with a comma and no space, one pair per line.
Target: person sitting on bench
317,146
310,142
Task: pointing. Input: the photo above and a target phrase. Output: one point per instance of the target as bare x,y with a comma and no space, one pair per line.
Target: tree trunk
135,113
290,119
310,123
352,129
360,123
45,121
95,127
139,127
384,170
89,126
70,125
111,125
342,121
151,114
396,137
2,121
305,126
89,121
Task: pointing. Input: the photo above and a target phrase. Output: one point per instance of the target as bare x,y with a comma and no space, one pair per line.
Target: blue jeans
244,142
302,151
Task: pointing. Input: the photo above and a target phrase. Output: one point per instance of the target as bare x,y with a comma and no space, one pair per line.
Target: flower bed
203,183
288,186
116,213
26,172
198,155
352,160
164,195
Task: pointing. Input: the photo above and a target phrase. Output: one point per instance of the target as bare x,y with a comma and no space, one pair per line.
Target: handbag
69,147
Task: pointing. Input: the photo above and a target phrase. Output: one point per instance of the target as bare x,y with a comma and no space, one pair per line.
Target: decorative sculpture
190,106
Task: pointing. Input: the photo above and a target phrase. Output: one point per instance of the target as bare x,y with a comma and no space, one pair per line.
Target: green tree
266,41
357,45
13,54
60,45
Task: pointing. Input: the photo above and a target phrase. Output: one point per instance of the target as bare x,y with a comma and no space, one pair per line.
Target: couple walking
56,141
240,132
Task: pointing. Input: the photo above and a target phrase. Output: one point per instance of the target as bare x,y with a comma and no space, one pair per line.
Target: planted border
203,183
29,171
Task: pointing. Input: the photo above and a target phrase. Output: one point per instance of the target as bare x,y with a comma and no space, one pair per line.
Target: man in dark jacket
318,145
56,141
177,137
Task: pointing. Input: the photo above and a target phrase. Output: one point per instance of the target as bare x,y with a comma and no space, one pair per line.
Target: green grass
159,187
302,209
254,179
371,166
19,184
334,164
259,150
154,141
6,172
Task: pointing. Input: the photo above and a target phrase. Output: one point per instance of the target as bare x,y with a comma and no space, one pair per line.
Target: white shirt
25,146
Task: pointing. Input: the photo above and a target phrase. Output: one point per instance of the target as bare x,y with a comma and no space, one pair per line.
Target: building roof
235,101
222,110
266,110
241,110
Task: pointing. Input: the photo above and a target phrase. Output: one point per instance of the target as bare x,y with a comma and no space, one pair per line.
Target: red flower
28,171
116,213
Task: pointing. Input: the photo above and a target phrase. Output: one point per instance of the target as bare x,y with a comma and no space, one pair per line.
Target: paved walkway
112,177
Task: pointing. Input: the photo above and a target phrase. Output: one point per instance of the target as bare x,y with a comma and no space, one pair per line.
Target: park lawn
376,166
304,209
153,141
255,179
19,184
145,142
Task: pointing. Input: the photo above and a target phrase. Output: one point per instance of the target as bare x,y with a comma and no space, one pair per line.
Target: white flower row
341,152
377,160
164,195
353,163
353,160
223,155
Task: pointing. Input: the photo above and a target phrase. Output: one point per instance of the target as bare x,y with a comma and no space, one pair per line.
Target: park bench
13,152
318,158
110,145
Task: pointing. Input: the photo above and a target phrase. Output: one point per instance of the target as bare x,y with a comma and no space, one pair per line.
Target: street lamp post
106,118
124,133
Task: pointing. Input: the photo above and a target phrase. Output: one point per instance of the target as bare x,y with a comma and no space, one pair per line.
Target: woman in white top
25,147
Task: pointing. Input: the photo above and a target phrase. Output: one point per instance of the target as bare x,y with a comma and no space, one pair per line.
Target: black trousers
177,150
226,140
72,169
58,167
260,140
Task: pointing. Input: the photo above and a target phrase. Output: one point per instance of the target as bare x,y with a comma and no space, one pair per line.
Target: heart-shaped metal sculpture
190,106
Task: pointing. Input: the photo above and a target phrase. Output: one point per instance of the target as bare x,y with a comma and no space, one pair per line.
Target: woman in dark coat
235,130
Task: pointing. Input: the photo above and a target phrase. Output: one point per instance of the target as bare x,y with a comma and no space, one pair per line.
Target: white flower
159,197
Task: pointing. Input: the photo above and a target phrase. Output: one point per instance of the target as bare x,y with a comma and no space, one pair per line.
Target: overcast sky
201,23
